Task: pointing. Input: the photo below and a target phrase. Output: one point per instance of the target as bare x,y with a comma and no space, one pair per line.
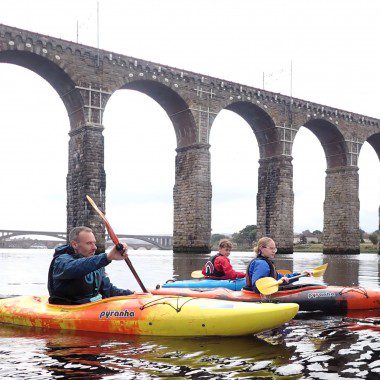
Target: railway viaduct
85,78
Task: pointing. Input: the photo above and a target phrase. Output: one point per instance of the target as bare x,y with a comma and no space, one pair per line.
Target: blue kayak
237,284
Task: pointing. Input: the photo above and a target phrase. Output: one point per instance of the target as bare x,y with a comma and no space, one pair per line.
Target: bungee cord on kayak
160,301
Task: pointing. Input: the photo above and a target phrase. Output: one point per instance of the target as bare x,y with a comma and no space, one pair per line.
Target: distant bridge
164,242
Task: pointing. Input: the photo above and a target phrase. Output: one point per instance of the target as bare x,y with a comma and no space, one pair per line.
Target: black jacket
75,279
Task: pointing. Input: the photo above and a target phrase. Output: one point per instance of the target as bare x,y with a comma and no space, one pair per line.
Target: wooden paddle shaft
143,288
115,240
120,247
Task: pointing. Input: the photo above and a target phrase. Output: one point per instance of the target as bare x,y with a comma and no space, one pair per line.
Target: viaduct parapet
85,78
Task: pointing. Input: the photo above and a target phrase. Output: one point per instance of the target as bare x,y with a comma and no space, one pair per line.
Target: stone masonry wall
192,200
86,177
341,211
275,201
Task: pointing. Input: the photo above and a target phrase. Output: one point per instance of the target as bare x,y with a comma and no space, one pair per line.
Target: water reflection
327,345
184,264
312,346
90,355
25,271
344,271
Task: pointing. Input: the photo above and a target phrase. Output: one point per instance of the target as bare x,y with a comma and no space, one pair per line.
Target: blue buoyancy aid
272,269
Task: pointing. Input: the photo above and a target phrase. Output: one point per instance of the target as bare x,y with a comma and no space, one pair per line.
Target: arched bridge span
85,77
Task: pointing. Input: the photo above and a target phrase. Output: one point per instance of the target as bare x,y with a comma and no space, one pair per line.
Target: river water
311,346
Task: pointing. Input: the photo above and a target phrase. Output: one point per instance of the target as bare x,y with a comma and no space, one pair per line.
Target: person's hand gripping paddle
268,285
116,241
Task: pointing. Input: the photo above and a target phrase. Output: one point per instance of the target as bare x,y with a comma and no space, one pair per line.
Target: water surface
312,346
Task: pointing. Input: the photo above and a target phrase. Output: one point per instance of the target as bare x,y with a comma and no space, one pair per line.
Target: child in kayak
262,265
219,267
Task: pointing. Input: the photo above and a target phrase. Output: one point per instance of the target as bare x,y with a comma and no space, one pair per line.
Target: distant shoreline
317,247
364,248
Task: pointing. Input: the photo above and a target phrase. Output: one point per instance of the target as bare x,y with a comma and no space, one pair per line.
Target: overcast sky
335,55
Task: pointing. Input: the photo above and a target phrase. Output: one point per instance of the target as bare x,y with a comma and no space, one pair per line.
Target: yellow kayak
147,314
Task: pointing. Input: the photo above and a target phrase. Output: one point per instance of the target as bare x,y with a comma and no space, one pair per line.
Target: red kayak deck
309,297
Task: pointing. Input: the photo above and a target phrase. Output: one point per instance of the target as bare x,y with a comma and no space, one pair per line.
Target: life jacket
73,291
273,272
210,270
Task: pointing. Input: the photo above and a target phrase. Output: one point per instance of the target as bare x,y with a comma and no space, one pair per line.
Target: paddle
199,274
117,243
268,285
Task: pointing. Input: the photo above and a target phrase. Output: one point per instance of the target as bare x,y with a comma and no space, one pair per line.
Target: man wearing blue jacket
77,275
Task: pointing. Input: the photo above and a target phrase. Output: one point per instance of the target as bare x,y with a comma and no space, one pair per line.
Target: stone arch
274,175
340,228
233,146
55,75
374,141
191,190
309,176
262,125
332,141
174,105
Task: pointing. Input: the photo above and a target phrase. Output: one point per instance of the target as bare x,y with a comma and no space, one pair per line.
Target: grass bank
364,248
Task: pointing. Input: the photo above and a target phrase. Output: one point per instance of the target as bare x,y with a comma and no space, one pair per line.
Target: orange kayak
147,314
309,297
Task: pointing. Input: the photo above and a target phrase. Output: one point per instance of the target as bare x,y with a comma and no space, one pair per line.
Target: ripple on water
313,346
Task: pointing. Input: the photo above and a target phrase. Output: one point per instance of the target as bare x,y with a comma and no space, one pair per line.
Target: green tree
361,235
246,236
374,237
216,237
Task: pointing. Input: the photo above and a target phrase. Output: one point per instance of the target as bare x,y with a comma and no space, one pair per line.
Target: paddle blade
110,231
267,285
197,274
95,207
319,271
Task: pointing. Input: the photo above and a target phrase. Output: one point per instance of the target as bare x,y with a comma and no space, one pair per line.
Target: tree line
245,238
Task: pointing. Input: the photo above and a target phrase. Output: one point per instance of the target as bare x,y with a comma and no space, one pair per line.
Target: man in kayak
262,265
77,275
219,266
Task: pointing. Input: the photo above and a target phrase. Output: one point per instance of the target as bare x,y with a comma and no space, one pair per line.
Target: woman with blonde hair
262,265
